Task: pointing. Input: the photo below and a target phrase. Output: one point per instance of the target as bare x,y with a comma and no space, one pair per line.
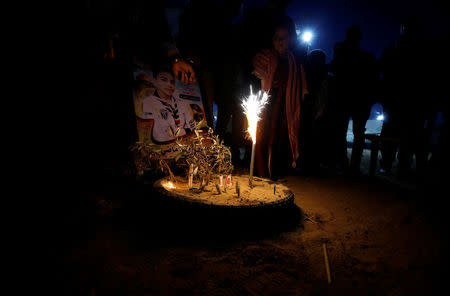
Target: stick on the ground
327,264
238,190
308,218
218,189
250,291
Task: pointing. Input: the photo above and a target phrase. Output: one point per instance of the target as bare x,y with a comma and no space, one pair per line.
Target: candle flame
168,185
252,109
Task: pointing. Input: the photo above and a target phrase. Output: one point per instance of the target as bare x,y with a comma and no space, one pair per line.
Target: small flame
252,108
168,185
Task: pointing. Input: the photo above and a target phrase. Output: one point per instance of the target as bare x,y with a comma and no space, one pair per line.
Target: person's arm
261,64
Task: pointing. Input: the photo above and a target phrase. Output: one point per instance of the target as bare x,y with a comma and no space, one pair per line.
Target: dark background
329,19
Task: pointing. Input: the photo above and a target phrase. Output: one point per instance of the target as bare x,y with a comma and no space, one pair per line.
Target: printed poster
165,107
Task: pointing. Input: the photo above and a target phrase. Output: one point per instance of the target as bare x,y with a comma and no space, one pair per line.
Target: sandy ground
264,191
383,239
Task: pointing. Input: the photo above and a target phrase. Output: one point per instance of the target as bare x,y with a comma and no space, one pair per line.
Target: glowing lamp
307,36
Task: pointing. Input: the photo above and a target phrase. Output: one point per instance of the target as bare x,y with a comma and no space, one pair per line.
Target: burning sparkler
252,109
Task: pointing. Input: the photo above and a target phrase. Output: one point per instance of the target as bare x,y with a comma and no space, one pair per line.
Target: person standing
356,75
255,34
406,74
313,110
282,76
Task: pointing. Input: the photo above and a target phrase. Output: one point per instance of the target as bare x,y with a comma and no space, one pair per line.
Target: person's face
281,41
165,84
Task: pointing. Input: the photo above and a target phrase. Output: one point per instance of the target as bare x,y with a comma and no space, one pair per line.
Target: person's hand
261,64
184,72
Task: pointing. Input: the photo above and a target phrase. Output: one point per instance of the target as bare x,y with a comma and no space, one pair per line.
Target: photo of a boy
171,116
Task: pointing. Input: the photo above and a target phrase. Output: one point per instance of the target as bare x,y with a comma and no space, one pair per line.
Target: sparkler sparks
252,109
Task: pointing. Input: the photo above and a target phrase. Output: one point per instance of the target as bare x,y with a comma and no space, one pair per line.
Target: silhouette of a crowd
226,48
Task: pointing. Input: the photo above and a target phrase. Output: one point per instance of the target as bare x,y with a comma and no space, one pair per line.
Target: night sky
328,19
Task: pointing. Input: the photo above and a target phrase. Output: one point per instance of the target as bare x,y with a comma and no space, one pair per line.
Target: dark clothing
312,111
146,29
106,119
141,28
405,81
356,75
227,99
440,159
210,40
356,81
200,28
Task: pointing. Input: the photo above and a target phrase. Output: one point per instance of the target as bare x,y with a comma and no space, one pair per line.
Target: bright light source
253,106
380,117
168,185
307,36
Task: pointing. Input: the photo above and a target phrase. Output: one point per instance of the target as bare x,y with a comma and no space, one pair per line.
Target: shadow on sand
153,220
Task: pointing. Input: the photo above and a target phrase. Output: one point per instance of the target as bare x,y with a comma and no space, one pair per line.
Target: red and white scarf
295,91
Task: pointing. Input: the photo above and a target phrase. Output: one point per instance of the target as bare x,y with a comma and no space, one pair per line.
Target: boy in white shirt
172,117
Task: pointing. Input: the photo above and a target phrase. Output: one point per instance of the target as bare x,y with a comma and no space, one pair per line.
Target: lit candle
168,185
229,180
